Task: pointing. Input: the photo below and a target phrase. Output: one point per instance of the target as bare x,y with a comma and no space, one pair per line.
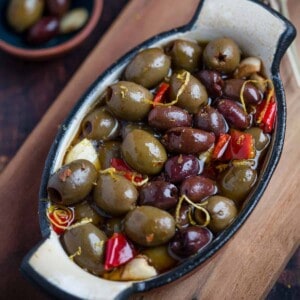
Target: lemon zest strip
77,253
185,77
198,206
80,223
255,81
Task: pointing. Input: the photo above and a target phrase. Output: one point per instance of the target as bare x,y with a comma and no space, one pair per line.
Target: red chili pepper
163,87
118,251
221,145
241,146
60,217
120,165
131,177
266,115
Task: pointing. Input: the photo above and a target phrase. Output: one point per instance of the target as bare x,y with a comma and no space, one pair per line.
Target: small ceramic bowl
259,31
14,43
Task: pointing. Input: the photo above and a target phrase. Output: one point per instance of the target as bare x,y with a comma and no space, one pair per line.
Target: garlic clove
259,81
136,269
247,67
83,150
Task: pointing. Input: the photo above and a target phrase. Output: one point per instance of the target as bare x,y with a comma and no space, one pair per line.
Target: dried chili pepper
163,87
120,165
118,251
240,146
266,115
221,145
60,217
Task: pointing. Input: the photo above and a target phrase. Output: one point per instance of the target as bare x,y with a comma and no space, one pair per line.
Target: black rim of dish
273,159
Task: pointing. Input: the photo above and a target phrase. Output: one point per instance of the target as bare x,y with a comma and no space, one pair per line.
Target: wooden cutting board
246,267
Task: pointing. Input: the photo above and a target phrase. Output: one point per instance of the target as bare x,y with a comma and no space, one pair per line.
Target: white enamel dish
259,31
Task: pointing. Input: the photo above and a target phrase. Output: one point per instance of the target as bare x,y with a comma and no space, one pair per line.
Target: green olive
149,226
222,212
113,225
100,125
261,139
131,126
160,258
85,244
85,211
185,55
143,152
194,93
22,14
148,68
128,100
115,194
236,182
107,151
72,182
222,55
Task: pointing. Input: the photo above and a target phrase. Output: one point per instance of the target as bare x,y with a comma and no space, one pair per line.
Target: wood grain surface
27,88
246,267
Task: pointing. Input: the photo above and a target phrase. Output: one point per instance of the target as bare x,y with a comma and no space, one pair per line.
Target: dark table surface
27,89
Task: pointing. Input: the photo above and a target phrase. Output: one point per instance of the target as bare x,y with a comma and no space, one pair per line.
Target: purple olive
209,119
166,117
197,188
57,7
189,241
160,194
187,140
43,31
234,114
251,94
177,168
183,217
213,82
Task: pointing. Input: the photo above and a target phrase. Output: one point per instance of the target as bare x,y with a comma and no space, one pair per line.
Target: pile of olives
143,161
41,20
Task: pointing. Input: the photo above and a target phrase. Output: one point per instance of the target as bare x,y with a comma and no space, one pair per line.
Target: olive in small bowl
15,44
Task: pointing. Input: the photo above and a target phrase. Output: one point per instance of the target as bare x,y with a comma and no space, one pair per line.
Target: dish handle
46,265
259,29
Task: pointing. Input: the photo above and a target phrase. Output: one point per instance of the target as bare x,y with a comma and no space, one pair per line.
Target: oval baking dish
260,32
